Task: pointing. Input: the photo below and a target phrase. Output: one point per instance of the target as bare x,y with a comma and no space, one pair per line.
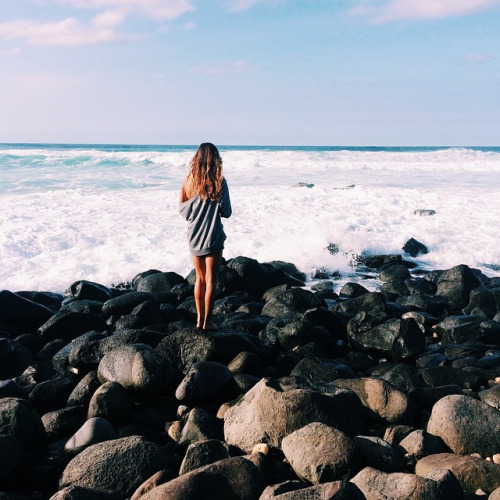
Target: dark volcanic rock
88,290
414,247
395,338
69,325
20,315
116,467
455,286
137,367
292,300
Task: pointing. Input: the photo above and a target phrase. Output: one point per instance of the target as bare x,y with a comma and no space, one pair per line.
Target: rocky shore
303,392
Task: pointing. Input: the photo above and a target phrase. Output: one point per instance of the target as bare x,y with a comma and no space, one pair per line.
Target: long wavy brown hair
206,172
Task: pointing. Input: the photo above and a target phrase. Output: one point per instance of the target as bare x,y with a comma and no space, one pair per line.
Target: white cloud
156,9
235,67
68,32
103,27
381,11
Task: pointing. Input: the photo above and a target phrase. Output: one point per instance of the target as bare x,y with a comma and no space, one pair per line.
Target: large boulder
466,425
94,430
160,282
112,402
18,419
376,484
319,453
14,358
473,473
204,381
137,367
117,467
368,302
125,304
69,325
295,490
234,478
256,278
396,338
185,347
88,290
383,399
21,315
292,300
273,409
202,453
455,286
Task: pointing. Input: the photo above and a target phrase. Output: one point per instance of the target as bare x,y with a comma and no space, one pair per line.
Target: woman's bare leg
212,266
200,289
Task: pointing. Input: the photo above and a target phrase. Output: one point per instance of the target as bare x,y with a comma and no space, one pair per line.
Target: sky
251,72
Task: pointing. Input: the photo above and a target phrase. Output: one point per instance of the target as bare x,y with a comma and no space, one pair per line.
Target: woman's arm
225,202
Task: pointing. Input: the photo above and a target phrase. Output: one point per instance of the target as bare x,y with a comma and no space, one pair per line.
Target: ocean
107,212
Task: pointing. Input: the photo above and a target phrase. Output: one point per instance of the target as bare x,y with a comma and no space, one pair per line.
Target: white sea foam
105,215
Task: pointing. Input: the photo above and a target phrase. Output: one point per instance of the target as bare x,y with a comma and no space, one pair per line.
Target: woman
204,199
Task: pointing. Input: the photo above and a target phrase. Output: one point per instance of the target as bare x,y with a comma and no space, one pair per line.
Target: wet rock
466,425
369,302
460,329
455,286
414,247
394,273
431,304
292,300
395,338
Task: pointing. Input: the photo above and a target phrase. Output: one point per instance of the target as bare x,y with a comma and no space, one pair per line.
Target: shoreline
103,376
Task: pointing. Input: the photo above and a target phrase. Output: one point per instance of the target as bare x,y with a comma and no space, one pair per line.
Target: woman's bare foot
210,325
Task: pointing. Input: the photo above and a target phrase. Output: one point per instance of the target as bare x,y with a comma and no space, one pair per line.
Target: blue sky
260,72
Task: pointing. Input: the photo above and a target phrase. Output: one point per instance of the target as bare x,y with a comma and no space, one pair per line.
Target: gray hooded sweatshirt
205,230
